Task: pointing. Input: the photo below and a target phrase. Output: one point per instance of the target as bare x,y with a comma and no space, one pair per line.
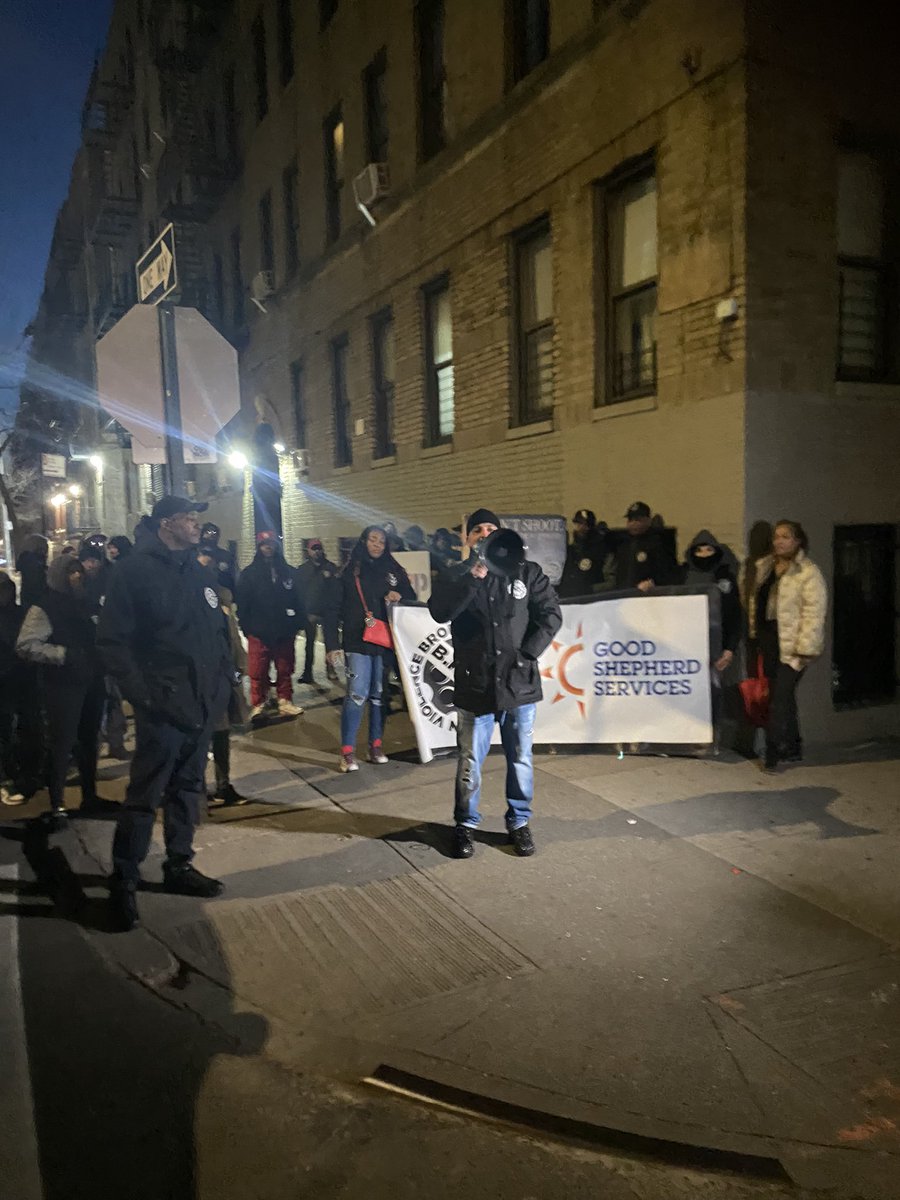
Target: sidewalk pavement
698,955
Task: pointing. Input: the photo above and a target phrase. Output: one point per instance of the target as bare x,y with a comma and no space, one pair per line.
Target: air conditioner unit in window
262,286
371,184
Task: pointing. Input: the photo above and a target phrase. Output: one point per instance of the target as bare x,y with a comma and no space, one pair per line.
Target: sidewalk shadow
116,1075
746,812
118,1072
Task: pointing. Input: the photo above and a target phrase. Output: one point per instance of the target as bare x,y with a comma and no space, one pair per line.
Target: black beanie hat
482,516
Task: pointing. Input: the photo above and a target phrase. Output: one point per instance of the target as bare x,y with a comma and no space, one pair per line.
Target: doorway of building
865,615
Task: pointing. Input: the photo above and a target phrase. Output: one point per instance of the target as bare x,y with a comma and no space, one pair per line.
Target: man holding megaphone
503,614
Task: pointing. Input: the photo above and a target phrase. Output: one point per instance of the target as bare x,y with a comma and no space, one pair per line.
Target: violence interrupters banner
632,669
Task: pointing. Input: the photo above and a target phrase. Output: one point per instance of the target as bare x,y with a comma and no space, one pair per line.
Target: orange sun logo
558,672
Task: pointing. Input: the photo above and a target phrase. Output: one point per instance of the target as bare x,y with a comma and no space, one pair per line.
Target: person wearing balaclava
707,564
500,625
59,635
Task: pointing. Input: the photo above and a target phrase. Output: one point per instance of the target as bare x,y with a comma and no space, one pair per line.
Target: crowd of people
158,622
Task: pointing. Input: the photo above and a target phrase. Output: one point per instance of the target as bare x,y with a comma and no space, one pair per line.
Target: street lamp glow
96,462
278,447
238,460
75,489
58,500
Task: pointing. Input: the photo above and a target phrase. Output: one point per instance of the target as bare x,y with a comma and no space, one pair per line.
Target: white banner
417,565
632,669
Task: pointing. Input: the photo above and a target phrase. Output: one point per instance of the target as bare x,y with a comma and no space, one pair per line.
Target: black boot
183,879
521,841
123,907
463,844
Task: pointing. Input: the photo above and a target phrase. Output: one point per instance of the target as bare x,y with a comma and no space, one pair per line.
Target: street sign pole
172,405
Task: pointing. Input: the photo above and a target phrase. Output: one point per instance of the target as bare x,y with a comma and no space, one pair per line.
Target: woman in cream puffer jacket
787,618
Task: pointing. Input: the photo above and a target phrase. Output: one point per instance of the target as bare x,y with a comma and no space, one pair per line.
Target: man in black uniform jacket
164,639
643,560
586,553
499,626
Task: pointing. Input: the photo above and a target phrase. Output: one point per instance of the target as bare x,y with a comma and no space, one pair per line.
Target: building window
340,353
334,173
631,259
289,180
863,277
298,403
529,35
327,10
266,241
237,280
439,417
534,324
229,97
285,41
260,67
375,92
383,382
432,77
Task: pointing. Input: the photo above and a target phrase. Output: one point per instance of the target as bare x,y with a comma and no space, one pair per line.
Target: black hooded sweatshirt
716,573
268,600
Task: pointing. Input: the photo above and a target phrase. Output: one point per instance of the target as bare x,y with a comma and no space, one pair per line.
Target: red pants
258,658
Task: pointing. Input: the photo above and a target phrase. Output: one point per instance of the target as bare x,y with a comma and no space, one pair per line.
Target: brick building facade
634,249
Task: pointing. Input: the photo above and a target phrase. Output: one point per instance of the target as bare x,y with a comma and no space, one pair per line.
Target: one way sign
156,273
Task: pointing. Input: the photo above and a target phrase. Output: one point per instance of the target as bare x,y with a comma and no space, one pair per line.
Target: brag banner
626,669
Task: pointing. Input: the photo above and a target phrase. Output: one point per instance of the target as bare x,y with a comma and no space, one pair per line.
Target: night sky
47,50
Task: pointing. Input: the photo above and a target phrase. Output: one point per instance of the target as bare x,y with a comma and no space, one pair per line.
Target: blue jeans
364,676
473,736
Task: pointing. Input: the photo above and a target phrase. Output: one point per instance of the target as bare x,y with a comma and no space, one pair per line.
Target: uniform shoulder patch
211,598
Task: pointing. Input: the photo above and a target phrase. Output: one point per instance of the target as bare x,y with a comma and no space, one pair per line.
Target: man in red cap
270,614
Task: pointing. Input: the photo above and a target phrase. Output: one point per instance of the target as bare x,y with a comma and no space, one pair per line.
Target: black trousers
783,729
116,724
74,712
221,752
311,627
168,771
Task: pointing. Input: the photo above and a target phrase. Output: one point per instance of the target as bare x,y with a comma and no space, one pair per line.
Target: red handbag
755,695
376,631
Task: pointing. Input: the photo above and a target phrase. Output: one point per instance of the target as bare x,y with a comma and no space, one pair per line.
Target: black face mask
706,564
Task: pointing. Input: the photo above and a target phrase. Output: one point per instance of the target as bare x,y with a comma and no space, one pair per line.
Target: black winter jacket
268,601
377,577
499,629
583,572
164,637
645,557
10,665
320,592
716,574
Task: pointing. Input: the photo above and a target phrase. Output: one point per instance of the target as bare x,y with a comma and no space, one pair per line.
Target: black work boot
463,844
123,909
183,879
521,841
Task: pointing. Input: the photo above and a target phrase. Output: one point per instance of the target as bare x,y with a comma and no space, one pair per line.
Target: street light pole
172,399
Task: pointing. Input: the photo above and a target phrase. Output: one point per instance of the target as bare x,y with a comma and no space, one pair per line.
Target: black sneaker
185,880
521,841
230,796
305,679
463,844
123,907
